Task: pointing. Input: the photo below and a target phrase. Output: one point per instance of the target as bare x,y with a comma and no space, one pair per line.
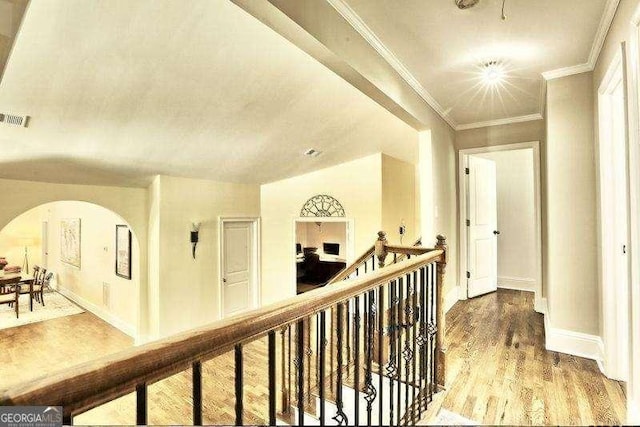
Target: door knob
496,232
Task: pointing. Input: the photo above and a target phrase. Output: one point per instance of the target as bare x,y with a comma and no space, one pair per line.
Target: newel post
440,318
381,248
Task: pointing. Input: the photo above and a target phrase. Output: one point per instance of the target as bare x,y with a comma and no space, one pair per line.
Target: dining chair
10,293
39,287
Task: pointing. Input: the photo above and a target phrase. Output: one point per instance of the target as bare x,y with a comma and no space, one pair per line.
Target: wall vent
12,119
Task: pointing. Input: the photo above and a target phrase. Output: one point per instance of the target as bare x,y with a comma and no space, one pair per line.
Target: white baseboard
99,311
451,298
633,412
540,305
574,343
517,283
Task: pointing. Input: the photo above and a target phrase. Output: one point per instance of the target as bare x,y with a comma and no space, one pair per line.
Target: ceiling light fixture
466,4
492,73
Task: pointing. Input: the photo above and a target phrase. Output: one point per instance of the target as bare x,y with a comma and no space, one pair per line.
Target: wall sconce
195,231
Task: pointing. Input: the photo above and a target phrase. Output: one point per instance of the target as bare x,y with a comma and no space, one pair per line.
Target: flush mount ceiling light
492,73
466,4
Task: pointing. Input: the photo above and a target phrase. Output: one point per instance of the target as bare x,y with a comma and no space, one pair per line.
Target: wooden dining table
25,279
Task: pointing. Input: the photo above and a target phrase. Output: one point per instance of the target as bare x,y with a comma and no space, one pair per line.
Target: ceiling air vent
12,119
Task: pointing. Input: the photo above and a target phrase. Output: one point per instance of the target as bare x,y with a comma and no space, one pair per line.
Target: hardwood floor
498,371
41,348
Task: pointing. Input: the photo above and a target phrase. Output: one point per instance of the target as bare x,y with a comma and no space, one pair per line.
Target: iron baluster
356,369
196,376
272,378
141,404
370,390
238,381
321,366
340,417
300,371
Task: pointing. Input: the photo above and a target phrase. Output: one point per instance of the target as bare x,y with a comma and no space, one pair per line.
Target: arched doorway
89,278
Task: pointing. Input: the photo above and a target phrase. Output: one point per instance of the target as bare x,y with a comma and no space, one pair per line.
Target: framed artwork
70,241
123,251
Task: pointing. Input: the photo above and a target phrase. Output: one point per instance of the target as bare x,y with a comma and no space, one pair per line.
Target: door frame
350,230
256,285
463,156
615,75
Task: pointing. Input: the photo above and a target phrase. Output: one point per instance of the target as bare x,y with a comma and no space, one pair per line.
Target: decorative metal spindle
380,351
300,360
365,268
371,320
321,339
373,263
414,334
408,256
67,420
272,378
340,417
391,365
395,258
421,339
196,376
141,404
356,369
399,346
407,355
283,367
288,409
238,379
432,329
348,322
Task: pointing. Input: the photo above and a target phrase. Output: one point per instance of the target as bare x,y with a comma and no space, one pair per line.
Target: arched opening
85,271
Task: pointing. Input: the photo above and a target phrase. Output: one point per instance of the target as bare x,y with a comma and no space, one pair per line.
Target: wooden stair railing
403,346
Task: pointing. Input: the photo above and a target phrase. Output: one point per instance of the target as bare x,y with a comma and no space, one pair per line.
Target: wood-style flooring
498,371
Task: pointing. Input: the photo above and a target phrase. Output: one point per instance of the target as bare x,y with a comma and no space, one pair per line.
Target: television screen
331,248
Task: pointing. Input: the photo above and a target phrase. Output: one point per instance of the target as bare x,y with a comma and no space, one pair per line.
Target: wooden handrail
348,271
408,250
91,384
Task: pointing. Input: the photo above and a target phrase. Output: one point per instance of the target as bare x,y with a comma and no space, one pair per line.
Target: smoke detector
466,4
14,120
312,152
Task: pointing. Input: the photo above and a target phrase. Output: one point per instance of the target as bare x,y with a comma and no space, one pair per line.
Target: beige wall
188,289
570,269
97,265
516,218
357,185
25,228
399,200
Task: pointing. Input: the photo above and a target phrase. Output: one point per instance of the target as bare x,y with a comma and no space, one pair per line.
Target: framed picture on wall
70,241
123,251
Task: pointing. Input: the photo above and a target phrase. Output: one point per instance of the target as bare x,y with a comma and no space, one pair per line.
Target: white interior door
482,230
238,267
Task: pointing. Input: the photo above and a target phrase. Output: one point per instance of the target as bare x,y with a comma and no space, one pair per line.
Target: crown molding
603,29
358,24
498,122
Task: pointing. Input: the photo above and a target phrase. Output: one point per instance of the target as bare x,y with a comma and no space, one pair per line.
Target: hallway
498,371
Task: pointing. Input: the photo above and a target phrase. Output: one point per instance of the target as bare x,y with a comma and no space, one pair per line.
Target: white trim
498,122
633,412
451,298
571,342
359,25
540,305
543,97
517,283
257,286
462,203
598,41
110,318
612,298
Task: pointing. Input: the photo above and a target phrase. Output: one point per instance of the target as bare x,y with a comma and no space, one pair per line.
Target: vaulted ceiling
121,90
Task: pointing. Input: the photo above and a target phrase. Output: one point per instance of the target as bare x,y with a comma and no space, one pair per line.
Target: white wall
357,185
516,218
310,235
26,227
97,265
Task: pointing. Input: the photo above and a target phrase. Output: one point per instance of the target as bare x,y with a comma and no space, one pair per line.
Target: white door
482,227
238,267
